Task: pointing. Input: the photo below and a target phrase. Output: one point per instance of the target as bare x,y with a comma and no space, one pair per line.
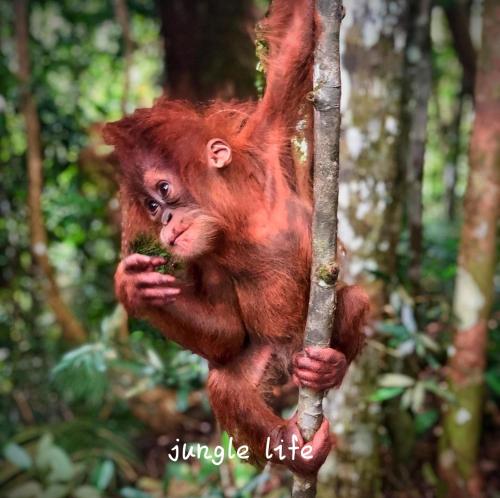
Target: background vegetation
91,402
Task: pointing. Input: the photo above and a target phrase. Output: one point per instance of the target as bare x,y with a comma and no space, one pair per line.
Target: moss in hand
149,246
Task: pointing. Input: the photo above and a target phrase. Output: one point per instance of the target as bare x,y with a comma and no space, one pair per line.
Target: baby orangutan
220,187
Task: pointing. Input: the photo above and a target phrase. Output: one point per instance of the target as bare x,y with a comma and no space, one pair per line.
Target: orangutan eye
152,206
163,188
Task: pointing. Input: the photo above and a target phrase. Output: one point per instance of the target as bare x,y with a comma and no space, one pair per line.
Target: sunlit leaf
56,491
86,492
386,393
408,318
406,399
18,456
62,468
429,343
42,457
395,380
133,493
30,489
418,397
440,390
104,474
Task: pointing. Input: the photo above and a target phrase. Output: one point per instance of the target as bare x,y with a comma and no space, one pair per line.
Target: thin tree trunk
458,17
372,50
418,84
208,52
474,284
324,272
122,16
453,157
71,328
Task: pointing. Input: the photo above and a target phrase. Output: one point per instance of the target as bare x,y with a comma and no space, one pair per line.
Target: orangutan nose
166,217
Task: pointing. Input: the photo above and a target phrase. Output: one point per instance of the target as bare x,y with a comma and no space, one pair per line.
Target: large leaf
62,469
385,393
418,397
104,474
18,456
42,455
425,420
396,380
133,493
56,491
86,492
30,489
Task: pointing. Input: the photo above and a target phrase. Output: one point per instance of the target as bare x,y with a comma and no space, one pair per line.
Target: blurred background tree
92,402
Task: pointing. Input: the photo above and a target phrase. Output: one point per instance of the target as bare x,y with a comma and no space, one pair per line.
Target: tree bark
71,328
372,52
417,85
208,52
474,284
454,138
324,271
457,15
458,18
122,16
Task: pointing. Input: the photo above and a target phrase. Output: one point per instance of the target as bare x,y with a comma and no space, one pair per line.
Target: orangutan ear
219,153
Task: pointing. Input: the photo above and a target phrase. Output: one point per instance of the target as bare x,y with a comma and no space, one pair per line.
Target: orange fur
243,300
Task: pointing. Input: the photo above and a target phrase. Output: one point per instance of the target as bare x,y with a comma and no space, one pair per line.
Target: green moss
328,273
149,246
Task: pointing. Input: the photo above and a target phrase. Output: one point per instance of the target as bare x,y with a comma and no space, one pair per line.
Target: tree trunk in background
372,44
72,330
474,283
208,48
122,17
417,85
458,18
416,90
453,157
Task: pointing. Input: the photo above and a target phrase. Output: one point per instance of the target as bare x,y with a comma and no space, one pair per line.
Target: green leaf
418,397
56,491
133,493
62,469
42,456
82,373
394,330
440,390
30,489
86,492
176,470
396,380
429,343
105,473
385,393
246,475
406,399
425,420
182,399
492,378
252,481
429,474
18,456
